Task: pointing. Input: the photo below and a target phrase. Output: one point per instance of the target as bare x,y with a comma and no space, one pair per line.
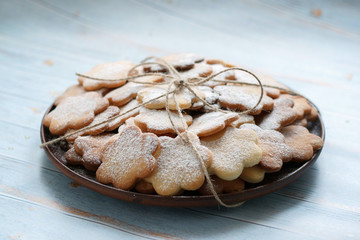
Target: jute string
175,85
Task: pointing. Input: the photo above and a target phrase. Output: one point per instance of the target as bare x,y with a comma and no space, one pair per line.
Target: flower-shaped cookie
233,149
301,142
90,149
71,91
265,80
243,118
75,112
212,122
108,113
178,165
243,98
282,115
127,157
113,70
158,122
199,70
274,149
301,105
126,113
184,98
182,62
127,92
218,66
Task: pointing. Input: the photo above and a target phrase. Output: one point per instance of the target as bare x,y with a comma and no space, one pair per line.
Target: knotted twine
176,85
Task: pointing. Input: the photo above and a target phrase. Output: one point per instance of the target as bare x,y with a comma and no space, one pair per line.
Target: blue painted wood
317,55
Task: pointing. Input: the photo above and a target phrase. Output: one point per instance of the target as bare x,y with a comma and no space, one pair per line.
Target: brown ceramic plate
272,182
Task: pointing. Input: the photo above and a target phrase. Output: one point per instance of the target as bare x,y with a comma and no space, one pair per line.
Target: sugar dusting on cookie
178,166
233,149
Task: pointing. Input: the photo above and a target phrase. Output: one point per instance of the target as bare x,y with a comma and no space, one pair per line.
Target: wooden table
312,46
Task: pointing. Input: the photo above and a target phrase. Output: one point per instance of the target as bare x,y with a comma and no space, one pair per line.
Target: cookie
128,156
126,113
71,91
199,70
103,116
222,186
301,105
243,118
233,149
282,115
274,149
265,80
253,174
115,70
242,98
75,112
300,122
128,92
89,148
210,123
184,98
181,62
158,122
72,157
178,166
220,62
312,115
301,142
211,98
144,187
218,66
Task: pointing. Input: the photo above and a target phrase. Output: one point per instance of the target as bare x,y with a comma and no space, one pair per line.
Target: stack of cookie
143,151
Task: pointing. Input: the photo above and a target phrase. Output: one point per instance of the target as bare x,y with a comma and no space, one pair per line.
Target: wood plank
58,194
63,225
329,66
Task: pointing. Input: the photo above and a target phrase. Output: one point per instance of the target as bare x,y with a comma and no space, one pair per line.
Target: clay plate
272,182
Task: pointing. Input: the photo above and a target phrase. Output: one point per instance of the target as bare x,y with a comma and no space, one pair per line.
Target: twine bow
174,86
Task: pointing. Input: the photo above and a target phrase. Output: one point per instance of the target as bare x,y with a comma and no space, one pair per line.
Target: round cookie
253,174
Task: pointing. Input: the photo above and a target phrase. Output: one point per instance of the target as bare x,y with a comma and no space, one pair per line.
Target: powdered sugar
127,158
178,165
113,70
233,149
282,115
243,98
157,121
275,150
75,112
210,123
